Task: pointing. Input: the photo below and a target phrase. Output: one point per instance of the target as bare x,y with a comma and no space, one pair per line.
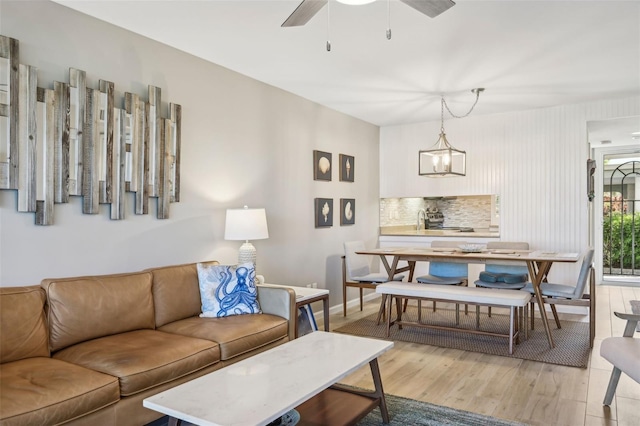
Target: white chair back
583,278
357,264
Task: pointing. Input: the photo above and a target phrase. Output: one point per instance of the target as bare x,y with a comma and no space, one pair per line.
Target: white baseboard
337,309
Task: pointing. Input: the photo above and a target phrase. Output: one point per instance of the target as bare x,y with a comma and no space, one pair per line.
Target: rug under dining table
571,341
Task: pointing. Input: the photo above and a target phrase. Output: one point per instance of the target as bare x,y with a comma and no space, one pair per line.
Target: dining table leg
392,270
538,272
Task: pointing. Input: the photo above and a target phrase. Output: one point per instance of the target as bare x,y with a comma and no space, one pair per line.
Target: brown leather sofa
88,350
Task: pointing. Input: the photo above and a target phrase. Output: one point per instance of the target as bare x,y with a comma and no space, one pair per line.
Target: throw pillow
227,290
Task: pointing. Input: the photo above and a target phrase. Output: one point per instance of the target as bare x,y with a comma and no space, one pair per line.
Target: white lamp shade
246,224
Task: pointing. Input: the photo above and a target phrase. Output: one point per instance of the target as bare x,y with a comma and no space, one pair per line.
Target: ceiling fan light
355,2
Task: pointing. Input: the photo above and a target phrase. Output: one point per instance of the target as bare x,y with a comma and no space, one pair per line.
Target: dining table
538,262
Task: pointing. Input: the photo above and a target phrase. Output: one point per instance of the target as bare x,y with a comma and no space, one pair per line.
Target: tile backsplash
475,211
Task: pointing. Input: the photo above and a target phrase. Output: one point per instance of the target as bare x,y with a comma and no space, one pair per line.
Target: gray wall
244,142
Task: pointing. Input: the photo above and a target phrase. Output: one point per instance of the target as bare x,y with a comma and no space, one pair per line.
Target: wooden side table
306,296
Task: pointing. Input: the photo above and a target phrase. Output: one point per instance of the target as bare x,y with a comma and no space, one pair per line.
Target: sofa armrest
280,301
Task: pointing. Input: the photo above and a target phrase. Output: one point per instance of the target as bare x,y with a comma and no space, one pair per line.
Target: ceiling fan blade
431,8
305,11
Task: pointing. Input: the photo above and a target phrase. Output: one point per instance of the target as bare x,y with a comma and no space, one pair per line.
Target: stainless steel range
434,220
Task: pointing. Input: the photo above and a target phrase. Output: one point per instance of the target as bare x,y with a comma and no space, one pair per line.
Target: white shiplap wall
535,160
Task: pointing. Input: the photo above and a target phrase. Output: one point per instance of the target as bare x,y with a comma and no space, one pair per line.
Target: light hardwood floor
530,392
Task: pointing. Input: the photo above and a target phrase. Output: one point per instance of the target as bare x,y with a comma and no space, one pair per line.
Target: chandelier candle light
442,159
246,224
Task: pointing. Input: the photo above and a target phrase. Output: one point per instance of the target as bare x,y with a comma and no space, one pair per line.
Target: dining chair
562,294
624,353
356,272
505,275
444,273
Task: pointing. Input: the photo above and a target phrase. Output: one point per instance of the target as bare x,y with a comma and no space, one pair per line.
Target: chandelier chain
477,92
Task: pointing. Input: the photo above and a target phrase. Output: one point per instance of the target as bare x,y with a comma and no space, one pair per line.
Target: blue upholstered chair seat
492,277
444,273
497,275
431,279
502,280
510,286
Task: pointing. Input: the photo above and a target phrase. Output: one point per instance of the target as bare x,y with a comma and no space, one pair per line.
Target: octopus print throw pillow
227,290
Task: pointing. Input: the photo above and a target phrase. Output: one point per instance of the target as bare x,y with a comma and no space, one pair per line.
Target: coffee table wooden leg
325,312
379,392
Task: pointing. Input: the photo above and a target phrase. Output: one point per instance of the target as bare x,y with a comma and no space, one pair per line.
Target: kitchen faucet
423,213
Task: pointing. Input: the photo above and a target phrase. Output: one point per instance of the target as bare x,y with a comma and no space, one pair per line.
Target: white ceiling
527,54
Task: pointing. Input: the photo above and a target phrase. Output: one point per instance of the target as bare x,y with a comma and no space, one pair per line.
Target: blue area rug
572,340
403,411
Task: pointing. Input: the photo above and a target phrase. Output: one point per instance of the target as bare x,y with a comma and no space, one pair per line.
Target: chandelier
442,159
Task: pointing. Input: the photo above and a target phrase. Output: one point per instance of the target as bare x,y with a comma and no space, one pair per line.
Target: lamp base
247,253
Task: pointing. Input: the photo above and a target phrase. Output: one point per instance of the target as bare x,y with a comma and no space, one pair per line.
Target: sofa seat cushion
143,359
236,334
39,391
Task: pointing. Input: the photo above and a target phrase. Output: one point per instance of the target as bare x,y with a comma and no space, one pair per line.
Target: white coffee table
259,389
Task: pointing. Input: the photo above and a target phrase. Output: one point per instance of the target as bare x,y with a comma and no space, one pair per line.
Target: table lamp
246,224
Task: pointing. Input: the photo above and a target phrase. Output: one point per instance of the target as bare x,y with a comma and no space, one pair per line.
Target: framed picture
347,167
347,211
306,321
321,165
324,212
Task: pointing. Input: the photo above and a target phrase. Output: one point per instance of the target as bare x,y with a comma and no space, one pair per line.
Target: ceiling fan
308,8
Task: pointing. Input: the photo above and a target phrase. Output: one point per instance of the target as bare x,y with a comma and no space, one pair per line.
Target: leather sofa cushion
143,359
176,294
23,329
236,334
86,308
45,391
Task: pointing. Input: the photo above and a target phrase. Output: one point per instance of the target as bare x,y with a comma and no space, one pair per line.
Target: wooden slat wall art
175,113
118,164
73,141
91,157
164,188
61,144
9,102
45,158
77,101
135,107
128,142
27,137
106,121
152,139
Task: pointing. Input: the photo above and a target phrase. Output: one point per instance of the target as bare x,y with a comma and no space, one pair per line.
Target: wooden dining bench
512,299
